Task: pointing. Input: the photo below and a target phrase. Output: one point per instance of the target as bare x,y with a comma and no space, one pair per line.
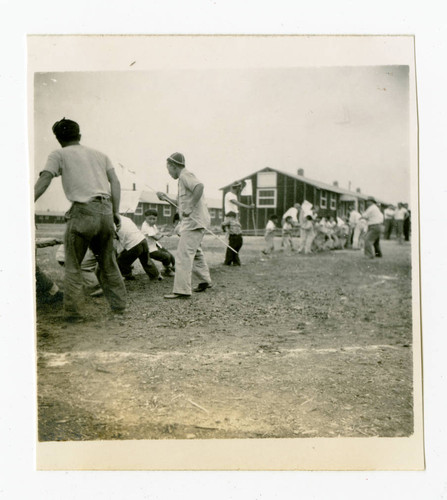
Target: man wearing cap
374,218
194,218
231,200
90,183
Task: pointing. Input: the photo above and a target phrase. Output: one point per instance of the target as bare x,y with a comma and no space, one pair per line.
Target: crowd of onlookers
397,220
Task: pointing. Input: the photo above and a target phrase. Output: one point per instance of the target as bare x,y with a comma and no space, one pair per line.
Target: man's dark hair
66,130
151,211
273,217
230,214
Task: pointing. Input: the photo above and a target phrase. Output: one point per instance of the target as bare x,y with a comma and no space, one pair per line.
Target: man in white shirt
374,217
231,200
389,221
135,247
292,212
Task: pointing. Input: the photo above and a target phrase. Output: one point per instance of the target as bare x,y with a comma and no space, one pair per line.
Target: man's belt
100,197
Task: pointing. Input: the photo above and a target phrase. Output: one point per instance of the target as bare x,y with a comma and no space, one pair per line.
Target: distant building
275,191
48,217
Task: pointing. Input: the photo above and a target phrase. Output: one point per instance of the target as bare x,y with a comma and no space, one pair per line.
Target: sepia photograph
226,252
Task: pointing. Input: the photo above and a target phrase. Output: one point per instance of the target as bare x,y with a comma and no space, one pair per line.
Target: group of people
398,219
356,230
93,222
99,239
316,233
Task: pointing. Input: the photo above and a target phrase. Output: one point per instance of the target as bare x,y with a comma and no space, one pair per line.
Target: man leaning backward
90,183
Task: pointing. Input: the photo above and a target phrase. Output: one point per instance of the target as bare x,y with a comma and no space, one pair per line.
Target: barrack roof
312,182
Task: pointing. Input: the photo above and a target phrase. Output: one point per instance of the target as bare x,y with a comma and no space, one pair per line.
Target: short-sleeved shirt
149,232
186,184
228,206
389,213
354,218
373,215
83,171
128,234
400,213
270,227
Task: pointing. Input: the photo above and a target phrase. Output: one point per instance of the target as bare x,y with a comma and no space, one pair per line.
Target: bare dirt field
290,346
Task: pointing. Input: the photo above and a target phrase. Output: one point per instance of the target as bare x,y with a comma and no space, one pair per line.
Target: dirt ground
289,346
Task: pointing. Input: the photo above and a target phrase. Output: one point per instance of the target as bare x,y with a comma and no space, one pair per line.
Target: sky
345,124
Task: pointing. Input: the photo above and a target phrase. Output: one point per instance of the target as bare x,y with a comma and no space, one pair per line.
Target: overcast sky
349,124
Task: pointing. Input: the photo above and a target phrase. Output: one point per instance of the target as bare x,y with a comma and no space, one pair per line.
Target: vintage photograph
225,251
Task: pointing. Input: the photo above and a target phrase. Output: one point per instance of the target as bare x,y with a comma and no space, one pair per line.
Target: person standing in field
389,221
407,223
399,217
91,184
269,235
308,234
374,218
194,218
354,229
232,226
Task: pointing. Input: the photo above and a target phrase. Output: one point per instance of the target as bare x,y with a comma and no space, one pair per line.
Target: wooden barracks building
274,192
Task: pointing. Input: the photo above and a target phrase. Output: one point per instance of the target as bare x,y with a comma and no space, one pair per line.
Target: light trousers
356,237
190,259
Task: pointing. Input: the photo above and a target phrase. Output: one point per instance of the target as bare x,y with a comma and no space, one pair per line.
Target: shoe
201,287
169,273
177,296
97,293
